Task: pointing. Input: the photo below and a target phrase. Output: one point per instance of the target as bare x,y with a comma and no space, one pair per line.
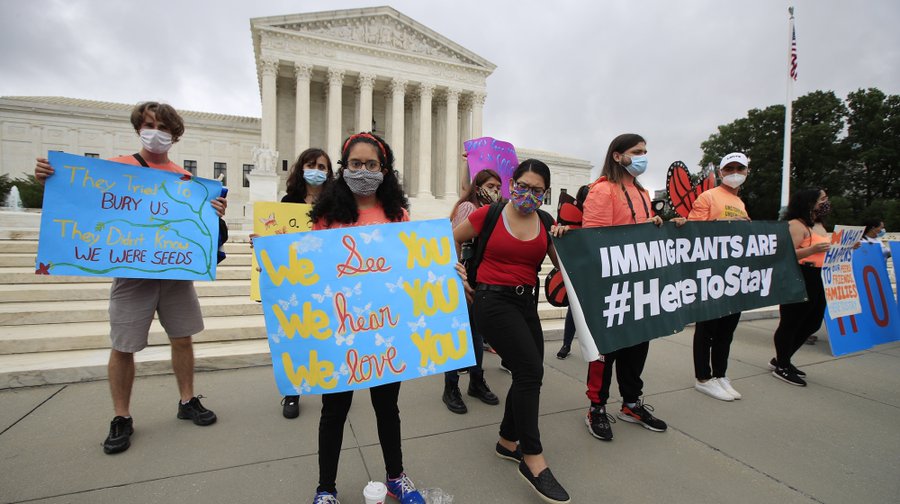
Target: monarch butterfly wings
682,191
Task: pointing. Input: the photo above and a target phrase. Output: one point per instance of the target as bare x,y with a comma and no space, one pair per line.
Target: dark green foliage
31,191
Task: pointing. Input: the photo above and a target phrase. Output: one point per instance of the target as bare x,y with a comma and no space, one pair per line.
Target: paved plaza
835,441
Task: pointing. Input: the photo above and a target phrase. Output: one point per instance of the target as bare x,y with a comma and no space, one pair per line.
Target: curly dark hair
801,205
296,184
338,204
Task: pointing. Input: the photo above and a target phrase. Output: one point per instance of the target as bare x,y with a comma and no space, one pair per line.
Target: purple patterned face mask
524,200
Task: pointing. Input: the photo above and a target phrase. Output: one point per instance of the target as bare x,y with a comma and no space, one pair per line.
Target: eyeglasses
537,191
371,165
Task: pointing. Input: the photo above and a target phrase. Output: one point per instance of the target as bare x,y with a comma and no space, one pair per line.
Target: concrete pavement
835,441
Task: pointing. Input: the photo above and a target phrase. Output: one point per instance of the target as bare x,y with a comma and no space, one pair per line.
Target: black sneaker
545,485
479,388
515,455
799,372
453,399
564,352
291,406
640,414
598,423
195,411
788,376
119,438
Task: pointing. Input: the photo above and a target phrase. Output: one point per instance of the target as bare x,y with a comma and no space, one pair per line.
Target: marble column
426,92
438,146
335,88
269,71
366,83
397,133
477,114
302,74
465,133
452,146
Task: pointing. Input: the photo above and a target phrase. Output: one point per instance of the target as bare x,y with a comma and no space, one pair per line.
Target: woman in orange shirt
617,199
801,320
712,338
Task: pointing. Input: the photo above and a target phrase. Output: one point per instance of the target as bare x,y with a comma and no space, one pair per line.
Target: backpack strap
547,221
490,221
140,159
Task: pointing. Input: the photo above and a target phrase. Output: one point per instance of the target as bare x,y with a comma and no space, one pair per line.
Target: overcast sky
570,75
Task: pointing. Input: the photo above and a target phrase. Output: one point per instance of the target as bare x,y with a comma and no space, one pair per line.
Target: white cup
375,492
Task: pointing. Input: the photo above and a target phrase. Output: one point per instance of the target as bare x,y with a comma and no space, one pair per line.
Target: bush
31,191
5,185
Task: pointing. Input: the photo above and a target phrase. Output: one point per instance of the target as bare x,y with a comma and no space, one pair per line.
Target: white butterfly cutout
339,340
290,302
350,291
457,325
276,336
417,324
308,243
300,389
325,294
370,237
359,311
380,340
344,369
430,369
433,279
394,286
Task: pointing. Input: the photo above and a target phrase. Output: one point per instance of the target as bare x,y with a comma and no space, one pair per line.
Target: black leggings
800,320
712,343
331,432
510,323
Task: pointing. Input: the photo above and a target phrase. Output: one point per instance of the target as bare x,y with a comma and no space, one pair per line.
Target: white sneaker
713,389
725,383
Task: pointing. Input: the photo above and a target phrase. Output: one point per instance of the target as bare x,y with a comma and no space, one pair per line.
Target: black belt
517,289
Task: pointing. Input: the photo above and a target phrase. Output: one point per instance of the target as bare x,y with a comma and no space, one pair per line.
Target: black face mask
821,211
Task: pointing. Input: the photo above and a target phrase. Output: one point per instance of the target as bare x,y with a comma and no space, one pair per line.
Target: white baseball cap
735,157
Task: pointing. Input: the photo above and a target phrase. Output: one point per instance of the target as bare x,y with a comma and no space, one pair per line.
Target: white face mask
156,141
734,180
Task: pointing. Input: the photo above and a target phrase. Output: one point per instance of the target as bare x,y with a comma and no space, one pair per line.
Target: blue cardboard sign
356,307
108,219
879,321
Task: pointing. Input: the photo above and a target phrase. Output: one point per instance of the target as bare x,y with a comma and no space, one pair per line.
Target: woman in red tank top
805,211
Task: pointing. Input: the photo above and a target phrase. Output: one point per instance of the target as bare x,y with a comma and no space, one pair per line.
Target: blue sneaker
404,491
326,498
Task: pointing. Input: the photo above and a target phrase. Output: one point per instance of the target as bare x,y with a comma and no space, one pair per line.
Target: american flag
793,62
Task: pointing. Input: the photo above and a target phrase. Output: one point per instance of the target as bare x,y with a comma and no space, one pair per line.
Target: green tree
31,191
873,145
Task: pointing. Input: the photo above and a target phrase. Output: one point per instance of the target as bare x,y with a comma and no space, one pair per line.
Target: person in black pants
505,311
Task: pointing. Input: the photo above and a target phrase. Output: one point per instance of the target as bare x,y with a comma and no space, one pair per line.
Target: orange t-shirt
718,204
170,166
607,205
817,259
367,216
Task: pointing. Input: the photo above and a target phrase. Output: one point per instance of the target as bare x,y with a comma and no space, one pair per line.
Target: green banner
630,284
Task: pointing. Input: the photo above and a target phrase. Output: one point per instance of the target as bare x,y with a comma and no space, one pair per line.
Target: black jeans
800,320
712,342
476,372
510,322
569,329
331,432
629,363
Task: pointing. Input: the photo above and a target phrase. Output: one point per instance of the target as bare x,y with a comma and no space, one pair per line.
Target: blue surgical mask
638,165
314,177
881,233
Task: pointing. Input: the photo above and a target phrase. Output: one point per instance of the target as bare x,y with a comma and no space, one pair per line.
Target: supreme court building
322,77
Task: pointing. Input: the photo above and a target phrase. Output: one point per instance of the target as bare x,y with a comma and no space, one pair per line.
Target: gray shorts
134,301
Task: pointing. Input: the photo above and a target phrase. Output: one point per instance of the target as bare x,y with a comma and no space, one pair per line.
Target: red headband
370,137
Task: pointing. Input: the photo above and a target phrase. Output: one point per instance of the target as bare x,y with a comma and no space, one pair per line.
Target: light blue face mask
314,177
638,165
881,233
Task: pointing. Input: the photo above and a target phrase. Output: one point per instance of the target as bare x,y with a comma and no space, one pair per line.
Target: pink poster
487,152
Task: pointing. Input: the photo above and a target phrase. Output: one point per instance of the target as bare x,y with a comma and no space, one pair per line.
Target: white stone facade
322,77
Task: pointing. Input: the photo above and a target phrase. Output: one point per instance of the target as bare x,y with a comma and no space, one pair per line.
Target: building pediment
377,27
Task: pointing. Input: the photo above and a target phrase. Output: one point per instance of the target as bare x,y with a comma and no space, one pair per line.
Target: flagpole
788,112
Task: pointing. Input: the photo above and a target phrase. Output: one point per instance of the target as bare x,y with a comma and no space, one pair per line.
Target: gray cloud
571,75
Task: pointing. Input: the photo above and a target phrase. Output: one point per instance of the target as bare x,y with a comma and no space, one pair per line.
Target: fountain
13,201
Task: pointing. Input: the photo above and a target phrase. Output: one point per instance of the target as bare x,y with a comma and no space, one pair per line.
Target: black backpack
480,242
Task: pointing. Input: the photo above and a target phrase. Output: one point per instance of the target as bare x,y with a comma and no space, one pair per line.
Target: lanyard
631,205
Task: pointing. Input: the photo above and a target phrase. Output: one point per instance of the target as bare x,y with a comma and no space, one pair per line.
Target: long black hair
296,184
801,205
612,169
337,203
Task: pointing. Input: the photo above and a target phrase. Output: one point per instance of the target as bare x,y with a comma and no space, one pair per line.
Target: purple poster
487,152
